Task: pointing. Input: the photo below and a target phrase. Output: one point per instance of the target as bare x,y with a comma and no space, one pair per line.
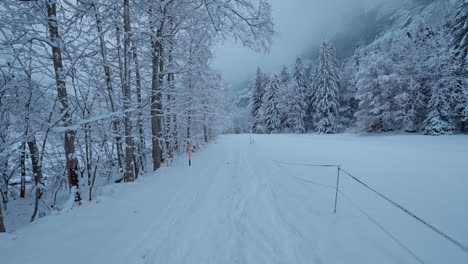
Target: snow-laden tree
462,106
309,122
296,113
256,113
409,72
438,120
297,103
460,67
326,88
99,85
460,31
348,101
410,106
272,113
375,85
286,92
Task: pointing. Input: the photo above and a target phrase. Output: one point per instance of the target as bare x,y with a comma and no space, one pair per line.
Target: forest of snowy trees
97,91
412,80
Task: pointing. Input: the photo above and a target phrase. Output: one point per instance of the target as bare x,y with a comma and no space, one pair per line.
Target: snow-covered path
237,204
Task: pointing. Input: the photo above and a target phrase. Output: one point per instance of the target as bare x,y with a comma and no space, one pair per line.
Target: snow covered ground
242,203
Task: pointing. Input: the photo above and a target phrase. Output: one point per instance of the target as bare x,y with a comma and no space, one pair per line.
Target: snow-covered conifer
438,120
460,31
256,115
272,114
298,101
326,83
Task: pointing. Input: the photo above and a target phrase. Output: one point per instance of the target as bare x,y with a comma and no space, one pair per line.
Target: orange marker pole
189,150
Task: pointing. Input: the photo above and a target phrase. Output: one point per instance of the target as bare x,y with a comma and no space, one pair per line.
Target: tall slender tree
326,98
460,31
256,115
272,113
60,75
298,101
460,48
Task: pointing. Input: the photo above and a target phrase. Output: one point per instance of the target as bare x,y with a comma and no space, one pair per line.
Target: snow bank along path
237,205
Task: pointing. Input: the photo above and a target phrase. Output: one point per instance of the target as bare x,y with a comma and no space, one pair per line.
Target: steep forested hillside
402,68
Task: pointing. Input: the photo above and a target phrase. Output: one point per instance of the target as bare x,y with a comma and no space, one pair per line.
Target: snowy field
244,203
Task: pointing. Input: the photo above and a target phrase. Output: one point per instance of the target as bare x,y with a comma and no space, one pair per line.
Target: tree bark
109,86
2,225
23,171
141,132
169,100
156,107
37,171
129,148
205,133
70,135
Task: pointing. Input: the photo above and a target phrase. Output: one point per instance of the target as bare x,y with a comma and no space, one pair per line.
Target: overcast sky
299,24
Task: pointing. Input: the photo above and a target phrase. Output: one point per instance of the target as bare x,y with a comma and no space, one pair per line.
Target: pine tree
460,31
460,48
285,93
298,101
284,76
272,118
326,102
256,115
438,119
459,97
297,113
310,113
464,111
411,106
348,102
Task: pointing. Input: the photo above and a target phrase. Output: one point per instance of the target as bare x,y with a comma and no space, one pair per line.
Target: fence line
419,219
394,238
307,165
433,228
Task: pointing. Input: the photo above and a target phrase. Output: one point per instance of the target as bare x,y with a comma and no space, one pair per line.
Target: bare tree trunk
37,171
23,171
189,125
156,107
205,119
2,225
27,108
175,132
88,151
189,117
189,107
141,132
205,132
169,99
108,75
161,82
168,121
69,142
121,75
129,148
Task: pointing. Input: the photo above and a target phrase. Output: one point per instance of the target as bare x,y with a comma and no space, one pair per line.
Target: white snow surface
237,204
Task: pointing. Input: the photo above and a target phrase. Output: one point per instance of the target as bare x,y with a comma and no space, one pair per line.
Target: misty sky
299,25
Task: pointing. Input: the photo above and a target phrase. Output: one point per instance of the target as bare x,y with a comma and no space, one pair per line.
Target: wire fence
340,171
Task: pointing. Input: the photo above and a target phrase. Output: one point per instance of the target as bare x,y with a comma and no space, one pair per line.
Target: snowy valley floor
240,203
